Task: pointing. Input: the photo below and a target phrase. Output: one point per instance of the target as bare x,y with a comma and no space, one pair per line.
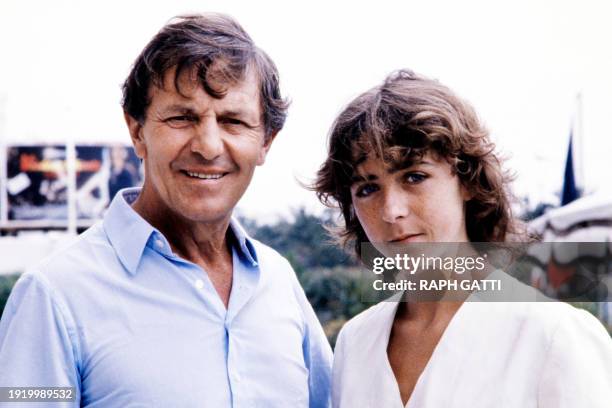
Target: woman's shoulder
360,355
373,318
526,307
569,322
546,318
579,354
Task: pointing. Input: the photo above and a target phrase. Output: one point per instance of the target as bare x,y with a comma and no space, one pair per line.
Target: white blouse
492,354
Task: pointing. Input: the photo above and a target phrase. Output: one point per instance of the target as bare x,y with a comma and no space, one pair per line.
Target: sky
521,65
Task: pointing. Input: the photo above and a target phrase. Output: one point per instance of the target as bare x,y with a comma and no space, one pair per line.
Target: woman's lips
406,238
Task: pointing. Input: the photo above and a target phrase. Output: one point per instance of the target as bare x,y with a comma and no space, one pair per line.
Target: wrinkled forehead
185,88
216,79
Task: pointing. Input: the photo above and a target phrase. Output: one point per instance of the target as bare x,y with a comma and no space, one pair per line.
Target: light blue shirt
128,323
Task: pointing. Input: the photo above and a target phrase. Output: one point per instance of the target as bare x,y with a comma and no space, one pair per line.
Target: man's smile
204,176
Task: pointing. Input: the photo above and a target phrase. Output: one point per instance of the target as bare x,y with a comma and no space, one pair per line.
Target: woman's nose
395,206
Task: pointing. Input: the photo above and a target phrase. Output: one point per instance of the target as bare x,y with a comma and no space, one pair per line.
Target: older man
167,302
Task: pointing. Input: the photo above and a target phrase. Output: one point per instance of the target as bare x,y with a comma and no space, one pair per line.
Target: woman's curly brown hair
401,120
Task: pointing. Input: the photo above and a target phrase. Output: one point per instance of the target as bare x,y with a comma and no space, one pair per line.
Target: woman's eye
415,178
366,190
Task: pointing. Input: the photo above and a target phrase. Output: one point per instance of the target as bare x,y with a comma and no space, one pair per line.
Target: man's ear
266,148
135,129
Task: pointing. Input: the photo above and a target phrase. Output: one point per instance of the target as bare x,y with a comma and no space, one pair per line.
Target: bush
6,285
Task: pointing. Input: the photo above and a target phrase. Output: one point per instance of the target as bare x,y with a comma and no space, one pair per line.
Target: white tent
588,219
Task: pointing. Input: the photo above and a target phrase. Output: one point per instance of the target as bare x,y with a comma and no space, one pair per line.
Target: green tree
6,285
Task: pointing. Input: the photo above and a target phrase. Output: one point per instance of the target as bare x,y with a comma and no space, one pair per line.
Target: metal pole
3,165
71,174
579,145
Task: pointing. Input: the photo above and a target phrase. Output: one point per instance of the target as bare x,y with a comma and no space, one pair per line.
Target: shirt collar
245,244
129,233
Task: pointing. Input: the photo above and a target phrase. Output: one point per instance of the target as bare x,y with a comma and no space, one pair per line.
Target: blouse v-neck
492,353
440,348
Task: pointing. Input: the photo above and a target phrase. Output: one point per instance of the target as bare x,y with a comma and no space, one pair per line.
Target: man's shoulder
269,257
73,260
275,269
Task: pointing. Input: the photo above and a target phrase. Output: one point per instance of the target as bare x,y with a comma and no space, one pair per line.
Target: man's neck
202,243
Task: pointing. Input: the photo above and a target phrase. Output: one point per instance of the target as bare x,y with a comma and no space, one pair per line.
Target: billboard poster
125,169
37,182
101,171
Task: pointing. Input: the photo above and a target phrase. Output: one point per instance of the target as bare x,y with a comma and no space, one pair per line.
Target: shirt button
199,283
159,243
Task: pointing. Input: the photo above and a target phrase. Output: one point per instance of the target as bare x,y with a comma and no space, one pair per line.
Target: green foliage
6,284
303,241
335,294
328,274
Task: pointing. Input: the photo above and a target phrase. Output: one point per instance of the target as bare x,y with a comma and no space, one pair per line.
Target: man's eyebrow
177,108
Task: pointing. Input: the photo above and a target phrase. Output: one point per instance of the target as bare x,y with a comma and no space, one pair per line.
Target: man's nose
395,206
208,141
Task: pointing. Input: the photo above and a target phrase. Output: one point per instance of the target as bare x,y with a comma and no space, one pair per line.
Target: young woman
408,162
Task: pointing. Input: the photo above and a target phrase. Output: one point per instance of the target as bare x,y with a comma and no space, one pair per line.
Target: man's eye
233,121
366,189
180,120
415,178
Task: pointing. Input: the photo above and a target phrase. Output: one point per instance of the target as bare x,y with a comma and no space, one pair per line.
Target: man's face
199,152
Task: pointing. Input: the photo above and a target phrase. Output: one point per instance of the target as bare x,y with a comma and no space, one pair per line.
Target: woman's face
420,203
